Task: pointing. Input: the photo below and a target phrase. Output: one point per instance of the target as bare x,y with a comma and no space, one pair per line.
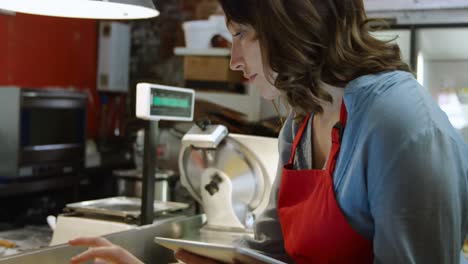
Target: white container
113,57
463,95
198,33
222,29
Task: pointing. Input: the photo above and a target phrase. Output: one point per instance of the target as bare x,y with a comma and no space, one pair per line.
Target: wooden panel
207,68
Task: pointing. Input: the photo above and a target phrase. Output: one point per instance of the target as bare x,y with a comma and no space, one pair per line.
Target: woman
370,168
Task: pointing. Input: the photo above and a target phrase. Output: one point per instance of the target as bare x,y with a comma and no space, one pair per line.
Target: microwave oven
42,132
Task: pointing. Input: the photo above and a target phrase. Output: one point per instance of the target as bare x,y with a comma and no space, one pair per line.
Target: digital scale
156,102
104,216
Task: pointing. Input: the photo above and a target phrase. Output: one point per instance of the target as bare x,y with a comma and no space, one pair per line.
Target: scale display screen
170,103
160,102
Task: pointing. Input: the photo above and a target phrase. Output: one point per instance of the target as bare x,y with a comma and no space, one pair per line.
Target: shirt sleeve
418,199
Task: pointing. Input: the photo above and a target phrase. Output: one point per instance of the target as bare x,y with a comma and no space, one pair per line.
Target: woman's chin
267,91
270,97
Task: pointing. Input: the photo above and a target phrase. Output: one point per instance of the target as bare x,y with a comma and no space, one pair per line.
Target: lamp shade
92,9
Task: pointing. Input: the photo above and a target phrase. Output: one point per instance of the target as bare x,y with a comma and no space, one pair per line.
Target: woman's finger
100,261
90,242
106,253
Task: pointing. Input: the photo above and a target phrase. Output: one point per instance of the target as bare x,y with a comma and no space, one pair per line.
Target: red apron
314,227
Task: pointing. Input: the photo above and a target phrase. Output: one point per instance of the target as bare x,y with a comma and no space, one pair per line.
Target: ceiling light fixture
91,9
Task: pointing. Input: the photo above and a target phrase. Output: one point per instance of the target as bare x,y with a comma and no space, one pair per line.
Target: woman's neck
331,110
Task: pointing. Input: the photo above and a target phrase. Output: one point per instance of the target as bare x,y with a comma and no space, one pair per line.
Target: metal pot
129,183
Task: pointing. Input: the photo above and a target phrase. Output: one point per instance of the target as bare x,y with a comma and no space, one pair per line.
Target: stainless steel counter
26,239
139,241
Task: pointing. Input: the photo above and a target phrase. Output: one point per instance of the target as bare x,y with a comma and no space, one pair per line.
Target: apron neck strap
298,137
337,136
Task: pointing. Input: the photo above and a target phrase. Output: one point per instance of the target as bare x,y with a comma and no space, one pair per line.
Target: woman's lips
252,78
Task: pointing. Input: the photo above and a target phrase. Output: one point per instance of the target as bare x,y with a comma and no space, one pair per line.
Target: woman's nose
237,61
236,64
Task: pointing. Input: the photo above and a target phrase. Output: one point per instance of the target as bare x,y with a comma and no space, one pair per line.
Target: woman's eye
237,34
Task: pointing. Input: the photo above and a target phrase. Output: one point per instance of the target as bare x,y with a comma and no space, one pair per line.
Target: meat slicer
230,175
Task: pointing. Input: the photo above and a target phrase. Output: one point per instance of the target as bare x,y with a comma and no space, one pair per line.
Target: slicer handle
213,186
203,123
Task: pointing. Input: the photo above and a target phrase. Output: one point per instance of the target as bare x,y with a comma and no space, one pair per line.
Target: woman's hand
101,250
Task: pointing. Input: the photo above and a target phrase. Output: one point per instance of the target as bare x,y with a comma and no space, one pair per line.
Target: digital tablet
219,252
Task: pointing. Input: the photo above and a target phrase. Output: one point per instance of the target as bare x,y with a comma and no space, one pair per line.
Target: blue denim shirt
401,177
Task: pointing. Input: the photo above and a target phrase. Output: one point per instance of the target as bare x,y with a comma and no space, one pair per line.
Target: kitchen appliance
156,102
230,175
99,217
106,216
42,132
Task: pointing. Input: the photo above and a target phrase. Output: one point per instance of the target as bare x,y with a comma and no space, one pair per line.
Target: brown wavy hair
308,41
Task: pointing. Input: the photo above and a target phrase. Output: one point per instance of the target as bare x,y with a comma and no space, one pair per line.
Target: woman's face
246,57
